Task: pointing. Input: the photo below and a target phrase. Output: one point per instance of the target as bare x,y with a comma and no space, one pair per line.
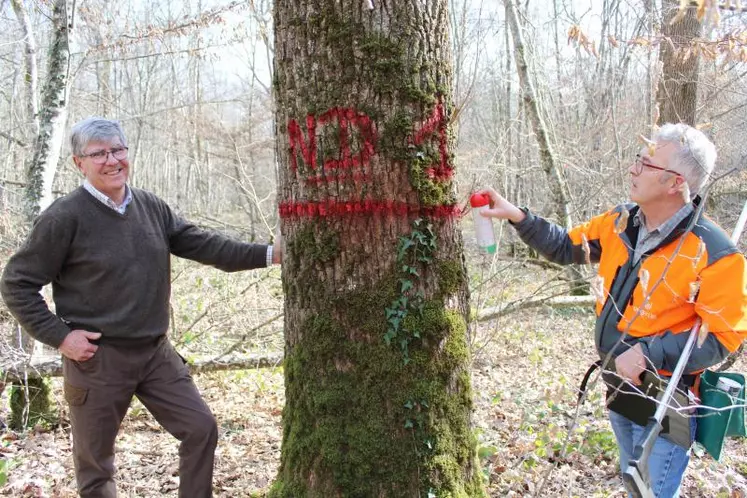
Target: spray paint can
729,385
483,224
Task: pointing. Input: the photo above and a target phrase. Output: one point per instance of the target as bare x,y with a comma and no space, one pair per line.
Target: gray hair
94,128
694,156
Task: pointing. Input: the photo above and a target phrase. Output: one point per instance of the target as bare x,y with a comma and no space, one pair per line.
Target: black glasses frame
101,156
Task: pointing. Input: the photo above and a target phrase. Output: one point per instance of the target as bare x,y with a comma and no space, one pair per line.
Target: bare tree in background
548,159
31,76
48,144
677,93
30,399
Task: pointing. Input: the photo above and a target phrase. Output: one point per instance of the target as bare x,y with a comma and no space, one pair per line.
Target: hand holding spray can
483,224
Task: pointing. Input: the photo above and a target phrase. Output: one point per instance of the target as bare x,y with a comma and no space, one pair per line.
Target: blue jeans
667,463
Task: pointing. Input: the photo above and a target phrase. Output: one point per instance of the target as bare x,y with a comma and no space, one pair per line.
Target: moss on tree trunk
28,411
378,396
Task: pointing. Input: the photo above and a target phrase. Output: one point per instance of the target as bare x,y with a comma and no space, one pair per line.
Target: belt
686,382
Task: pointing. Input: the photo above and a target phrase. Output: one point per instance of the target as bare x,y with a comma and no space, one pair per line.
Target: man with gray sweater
105,248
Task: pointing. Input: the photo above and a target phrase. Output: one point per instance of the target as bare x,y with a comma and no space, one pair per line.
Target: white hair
694,156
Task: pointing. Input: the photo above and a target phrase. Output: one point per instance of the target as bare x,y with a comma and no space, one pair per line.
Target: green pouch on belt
716,425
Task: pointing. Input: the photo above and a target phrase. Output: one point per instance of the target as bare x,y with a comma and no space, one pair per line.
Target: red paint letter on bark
296,141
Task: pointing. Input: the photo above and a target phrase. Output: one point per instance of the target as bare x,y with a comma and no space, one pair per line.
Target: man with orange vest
662,265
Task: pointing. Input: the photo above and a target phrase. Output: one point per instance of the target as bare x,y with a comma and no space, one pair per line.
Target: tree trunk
548,159
677,93
31,78
378,395
30,399
103,74
53,115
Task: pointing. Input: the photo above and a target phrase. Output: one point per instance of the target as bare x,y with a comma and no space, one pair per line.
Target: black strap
582,388
687,381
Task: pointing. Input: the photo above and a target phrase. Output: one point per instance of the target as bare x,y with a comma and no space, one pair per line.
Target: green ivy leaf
408,424
409,405
389,336
405,285
404,245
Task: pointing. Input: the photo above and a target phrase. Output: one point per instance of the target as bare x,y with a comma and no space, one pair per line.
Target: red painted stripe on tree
368,207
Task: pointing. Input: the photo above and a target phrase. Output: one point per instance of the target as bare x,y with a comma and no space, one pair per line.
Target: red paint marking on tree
367,207
296,140
436,125
359,177
346,118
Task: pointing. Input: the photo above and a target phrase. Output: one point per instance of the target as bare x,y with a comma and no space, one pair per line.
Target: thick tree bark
677,93
53,115
378,396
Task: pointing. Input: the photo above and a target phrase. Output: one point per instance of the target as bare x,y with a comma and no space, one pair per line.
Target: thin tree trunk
378,394
11,157
103,80
32,74
548,160
53,115
30,402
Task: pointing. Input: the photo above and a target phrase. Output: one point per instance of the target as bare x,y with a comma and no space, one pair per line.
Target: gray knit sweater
109,271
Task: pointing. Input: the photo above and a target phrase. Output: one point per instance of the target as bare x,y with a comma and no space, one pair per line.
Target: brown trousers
99,392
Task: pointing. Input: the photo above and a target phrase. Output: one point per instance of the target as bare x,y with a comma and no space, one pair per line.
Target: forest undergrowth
527,366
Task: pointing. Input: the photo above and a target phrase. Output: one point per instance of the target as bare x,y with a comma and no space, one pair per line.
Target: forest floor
526,370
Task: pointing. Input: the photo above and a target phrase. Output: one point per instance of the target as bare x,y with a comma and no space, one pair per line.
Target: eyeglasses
101,156
640,163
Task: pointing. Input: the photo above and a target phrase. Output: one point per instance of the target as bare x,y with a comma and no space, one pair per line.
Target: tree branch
53,367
